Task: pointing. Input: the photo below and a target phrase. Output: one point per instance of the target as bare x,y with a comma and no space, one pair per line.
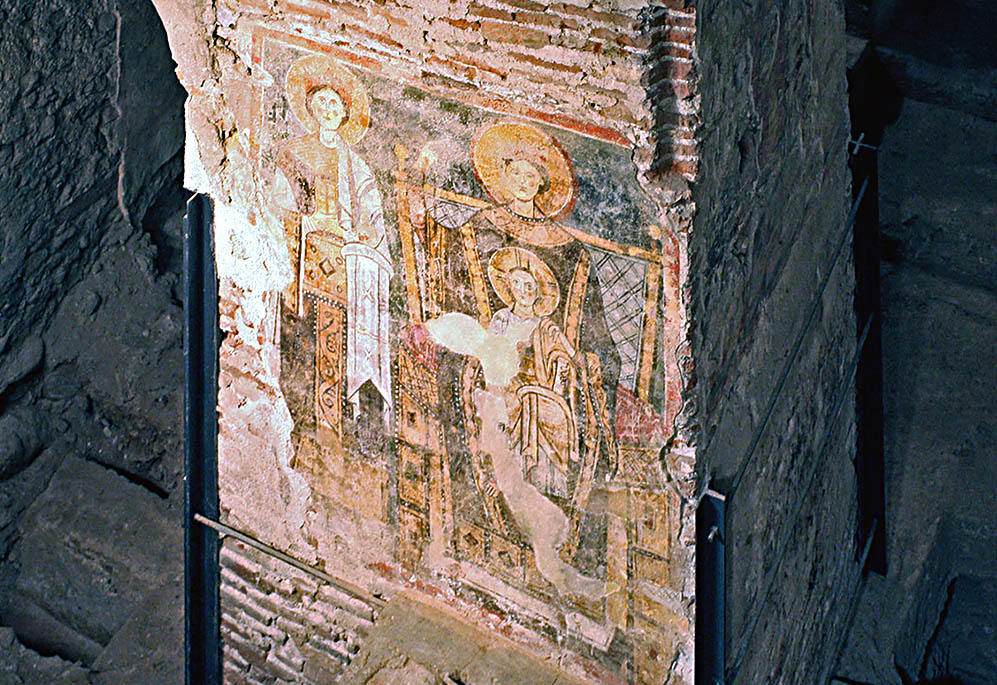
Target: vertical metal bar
873,103
870,462
710,589
201,337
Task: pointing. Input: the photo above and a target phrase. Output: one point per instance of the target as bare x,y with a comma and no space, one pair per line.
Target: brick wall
562,59
772,199
283,625
622,73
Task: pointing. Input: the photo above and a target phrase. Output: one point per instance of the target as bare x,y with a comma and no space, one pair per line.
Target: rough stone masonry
772,197
90,345
501,284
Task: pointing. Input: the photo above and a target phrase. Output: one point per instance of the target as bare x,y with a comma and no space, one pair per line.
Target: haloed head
327,107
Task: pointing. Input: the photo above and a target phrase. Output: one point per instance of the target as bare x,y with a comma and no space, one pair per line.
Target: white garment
368,276
368,356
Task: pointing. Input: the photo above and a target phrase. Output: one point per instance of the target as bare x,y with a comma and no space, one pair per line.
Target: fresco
474,344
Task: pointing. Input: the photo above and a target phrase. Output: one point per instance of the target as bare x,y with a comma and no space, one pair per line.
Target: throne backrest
630,277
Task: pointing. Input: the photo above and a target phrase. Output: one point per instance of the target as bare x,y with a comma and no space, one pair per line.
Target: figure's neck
524,312
539,231
329,137
524,208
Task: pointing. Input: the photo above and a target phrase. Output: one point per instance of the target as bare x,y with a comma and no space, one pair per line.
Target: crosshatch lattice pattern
449,214
622,280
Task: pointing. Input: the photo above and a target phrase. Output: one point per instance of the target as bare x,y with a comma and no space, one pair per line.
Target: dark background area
925,91
91,324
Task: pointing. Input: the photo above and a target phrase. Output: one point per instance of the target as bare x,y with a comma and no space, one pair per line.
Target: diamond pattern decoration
622,281
449,214
416,379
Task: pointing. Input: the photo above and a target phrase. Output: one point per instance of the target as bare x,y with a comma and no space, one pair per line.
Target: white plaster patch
195,177
464,335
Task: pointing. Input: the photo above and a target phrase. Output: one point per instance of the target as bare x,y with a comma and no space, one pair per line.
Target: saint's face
328,109
523,180
524,287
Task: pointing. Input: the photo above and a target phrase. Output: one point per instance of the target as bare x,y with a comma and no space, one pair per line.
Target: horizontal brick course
546,64
486,12
275,619
620,21
535,54
526,5
507,32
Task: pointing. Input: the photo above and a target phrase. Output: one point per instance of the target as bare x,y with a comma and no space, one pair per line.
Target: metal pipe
202,644
338,583
710,590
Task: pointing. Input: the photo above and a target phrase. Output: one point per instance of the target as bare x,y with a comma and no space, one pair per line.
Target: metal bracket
710,589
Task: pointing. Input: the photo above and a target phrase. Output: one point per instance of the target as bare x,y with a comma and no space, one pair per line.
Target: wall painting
475,345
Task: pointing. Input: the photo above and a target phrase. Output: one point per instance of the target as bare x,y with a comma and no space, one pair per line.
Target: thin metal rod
858,143
791,361
853,602
759,604
338,583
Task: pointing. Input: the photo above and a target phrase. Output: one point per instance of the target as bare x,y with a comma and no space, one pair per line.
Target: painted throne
443,523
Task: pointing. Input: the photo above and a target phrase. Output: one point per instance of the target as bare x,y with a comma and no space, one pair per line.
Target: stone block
20,665
148,647
92,545
36,626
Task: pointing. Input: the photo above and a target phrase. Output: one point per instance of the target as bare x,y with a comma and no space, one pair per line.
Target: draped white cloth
368,276
359,217
368,356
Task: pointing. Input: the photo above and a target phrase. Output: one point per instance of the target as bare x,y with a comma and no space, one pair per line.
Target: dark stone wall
85,143
772,199
938,201
60,156
91,367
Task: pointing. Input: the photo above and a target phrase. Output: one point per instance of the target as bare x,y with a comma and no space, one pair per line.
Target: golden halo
319,70
508,259
505,140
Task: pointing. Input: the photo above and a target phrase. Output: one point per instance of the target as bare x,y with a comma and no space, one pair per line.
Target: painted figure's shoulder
486,216
304,151
298,146
289,155
354,155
